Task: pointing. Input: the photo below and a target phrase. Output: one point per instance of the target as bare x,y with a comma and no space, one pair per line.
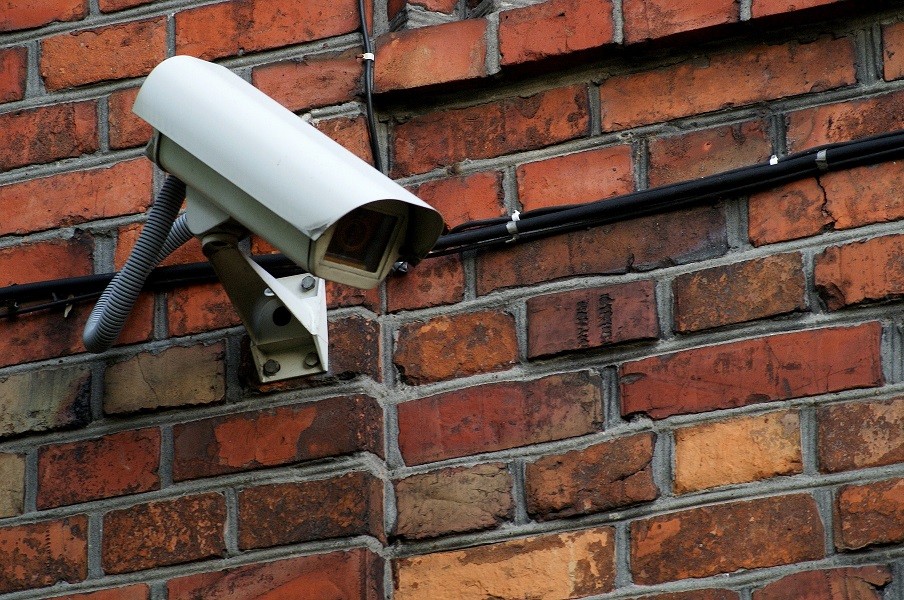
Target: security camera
249,165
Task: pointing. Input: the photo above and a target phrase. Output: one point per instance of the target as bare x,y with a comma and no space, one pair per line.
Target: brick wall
706,404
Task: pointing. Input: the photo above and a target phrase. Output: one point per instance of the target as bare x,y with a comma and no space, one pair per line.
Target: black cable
369,90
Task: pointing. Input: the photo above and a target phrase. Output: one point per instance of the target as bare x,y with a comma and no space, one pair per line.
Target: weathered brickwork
700,403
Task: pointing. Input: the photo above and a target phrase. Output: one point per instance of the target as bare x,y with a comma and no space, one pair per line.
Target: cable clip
512,226
821,160
368,56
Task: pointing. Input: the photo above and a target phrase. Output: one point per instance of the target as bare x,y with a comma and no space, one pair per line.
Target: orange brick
132,592
45,261
861,272
845,121
13,65
561,565
446,347
488,130
869,514
350,133
25,14
229,28
752,371
734,78
188,253
576,178
113,465
893,51
72,198
762,8
466,198
126,128
199,308
650,19
722,538
498,416
697,154
114,5
44,553
788,212
431,55
737,451
554,28
305,84
864,195
25,140
113,52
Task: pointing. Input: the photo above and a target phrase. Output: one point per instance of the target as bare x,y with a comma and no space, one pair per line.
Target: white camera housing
251,165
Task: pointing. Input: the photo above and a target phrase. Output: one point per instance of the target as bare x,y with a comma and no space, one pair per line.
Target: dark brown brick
856,435
113,465
173,531
853,583
739,292
499,416
591,318
869,514
723,538
453,501
776,367
287,513
609,475
44,553
277,436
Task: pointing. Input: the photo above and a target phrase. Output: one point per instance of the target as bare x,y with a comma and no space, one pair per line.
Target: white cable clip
512,226
368,56
822,160
773,160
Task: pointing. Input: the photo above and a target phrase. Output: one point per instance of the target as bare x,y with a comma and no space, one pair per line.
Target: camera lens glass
360,239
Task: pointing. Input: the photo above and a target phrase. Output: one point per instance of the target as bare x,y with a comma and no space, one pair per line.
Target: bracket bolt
311,360
308,282
269,293
271,367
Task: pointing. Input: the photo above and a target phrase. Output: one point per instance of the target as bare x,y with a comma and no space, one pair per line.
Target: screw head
269,293
311,360
271,367
308,282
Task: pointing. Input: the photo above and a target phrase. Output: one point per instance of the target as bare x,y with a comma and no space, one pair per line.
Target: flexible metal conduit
531,225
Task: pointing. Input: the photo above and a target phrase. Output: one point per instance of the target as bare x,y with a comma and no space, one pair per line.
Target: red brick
175,376
277,436
762,8
776,367
857,435
131,592
789,212
199,308
13,67
305,84
700,153
707,594
843,121
861,272
739,292
723,538
445,6
591,318
893,51
869,514
737,450
113,52
499,416
45,261
77,197
650,19
173,531
489,130
113,465
852,583
434,282
613,474
25,140
638,244
576,178
234,28
350,133
351,574
25,14
453,501
434,55
562,565
128,237
338,295
44,553
554,28
126,128
466,198
735,78
451,346
287,513
394,7
863,195
50,334
114,5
